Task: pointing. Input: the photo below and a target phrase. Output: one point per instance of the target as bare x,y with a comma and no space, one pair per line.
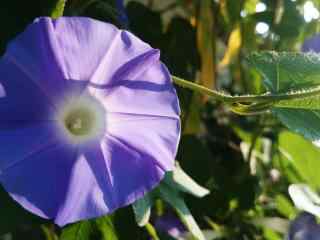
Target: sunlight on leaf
234,45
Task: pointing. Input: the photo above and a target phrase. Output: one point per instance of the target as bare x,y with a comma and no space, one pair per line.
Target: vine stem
152,231
266,97
58,9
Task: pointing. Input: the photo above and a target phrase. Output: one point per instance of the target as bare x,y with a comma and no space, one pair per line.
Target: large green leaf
295,72
286,71
304,122
303,155
101,228
106,228
78,231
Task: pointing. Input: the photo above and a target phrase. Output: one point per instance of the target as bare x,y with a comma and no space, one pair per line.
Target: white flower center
82,119
79,121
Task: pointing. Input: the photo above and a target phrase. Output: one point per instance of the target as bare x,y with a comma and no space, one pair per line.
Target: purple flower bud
304,227
312,44
170,224
90,119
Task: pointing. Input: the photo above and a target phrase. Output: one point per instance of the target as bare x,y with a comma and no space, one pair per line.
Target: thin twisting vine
266,97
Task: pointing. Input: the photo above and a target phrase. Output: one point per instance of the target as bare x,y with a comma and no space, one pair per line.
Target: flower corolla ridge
89,120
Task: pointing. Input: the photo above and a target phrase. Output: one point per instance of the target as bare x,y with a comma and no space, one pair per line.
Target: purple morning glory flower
89,119
2,92
304,227
171,225
312,44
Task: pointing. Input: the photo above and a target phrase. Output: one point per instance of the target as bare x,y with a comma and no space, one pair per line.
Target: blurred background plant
247,163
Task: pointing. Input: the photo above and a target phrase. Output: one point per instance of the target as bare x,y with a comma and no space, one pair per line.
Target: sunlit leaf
305,198
233,48
284,206
303,155
85,230
271,235
142,210
106,228
178,179
285,72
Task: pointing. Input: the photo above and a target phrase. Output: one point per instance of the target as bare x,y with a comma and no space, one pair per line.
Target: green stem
58,9
267,97
251,109
152,231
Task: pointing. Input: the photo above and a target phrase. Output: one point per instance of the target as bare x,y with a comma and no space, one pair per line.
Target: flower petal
34,167
2,92
148,91
99,183
24,102
154,137
19,144
35,52
51,181
100,47
49,176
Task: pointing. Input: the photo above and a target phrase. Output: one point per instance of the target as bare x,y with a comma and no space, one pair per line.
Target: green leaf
270,234
276,224
58,9
285,207
303,155
171,196
86,230
295,72
233,49
178,179
308,103
303,122
152,231
106,227
49,232
286,71
305,198
142,210
78,231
